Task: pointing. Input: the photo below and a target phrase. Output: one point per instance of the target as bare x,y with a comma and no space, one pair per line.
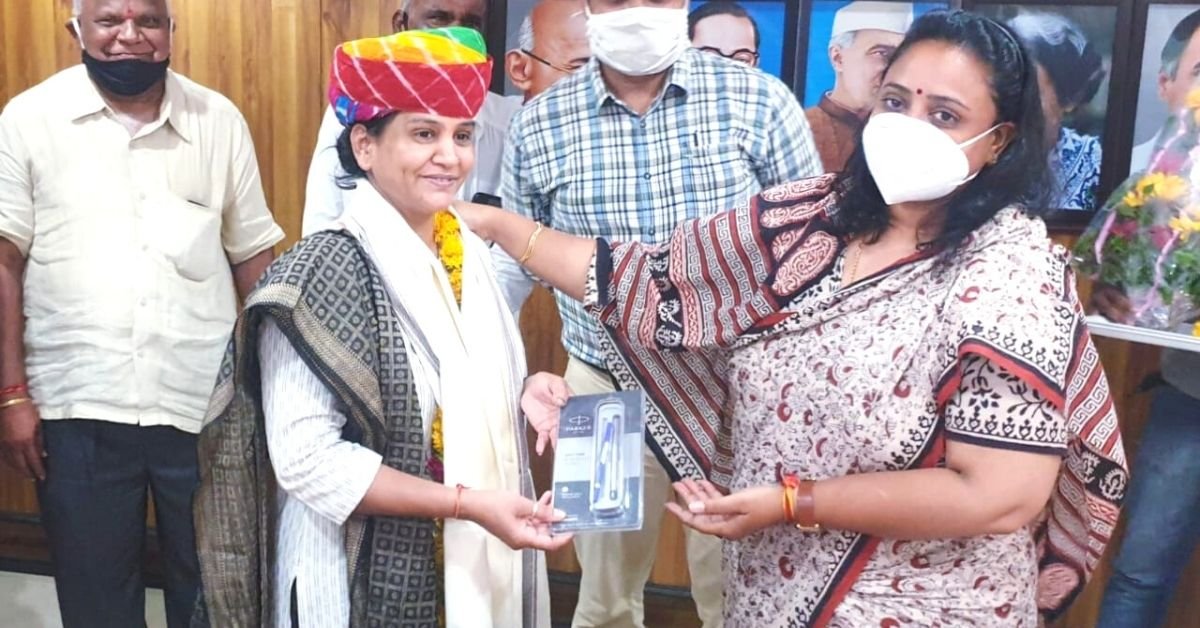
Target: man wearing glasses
553,43
725,29
648,133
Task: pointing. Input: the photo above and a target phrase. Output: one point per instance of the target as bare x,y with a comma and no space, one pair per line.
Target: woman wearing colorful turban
363,461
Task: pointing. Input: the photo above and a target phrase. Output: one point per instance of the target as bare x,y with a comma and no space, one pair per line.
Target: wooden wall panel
264,55
344,20
33,43
33,46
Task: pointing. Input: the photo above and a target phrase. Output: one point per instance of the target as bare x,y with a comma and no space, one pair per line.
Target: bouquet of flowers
1146,239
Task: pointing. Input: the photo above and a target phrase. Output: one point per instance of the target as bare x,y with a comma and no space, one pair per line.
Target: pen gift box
598,463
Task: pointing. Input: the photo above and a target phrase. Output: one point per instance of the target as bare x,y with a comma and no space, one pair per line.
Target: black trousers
93,504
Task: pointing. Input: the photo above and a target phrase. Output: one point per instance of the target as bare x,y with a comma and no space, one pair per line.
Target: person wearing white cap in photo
864,36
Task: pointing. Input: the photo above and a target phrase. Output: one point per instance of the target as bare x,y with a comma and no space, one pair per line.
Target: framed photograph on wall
1079,51
840,59
848,44
1167,36
773,19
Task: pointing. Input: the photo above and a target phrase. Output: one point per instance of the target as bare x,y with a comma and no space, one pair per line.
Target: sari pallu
698,322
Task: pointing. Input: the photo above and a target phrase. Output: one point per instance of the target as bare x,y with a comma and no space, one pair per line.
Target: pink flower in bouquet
1124,228
1161,236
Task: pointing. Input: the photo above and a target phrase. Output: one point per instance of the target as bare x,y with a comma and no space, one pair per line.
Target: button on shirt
323,198
580,161
129,295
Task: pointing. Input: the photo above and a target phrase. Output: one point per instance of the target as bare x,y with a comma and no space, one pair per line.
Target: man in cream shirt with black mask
132,218
649,133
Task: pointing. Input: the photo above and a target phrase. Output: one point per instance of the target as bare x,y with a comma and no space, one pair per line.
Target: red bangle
458,500
14,389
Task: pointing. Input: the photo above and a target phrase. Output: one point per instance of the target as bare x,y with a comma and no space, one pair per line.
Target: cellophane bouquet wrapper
1146,238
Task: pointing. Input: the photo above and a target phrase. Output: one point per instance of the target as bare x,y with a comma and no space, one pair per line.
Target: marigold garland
447,237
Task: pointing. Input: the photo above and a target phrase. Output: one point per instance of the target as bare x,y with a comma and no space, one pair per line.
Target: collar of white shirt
85,100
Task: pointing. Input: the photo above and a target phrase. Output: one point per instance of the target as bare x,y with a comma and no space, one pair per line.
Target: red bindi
920,91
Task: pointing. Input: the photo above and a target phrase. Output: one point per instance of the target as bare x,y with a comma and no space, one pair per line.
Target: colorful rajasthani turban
441,71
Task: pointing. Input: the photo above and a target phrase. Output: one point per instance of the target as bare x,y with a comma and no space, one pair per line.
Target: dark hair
351,171
1073,64
1178,41
721,7
1020,175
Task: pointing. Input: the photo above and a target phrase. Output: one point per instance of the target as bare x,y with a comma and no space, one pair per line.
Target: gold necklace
853,274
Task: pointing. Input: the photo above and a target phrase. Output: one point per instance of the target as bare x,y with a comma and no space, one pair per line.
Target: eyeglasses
741,54
565,69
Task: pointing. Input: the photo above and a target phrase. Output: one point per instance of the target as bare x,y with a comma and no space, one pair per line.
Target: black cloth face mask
126,77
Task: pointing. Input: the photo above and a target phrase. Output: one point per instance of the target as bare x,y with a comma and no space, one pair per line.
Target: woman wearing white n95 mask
887,370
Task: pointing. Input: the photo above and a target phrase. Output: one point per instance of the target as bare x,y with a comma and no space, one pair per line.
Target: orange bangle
786,505
790,482
458,500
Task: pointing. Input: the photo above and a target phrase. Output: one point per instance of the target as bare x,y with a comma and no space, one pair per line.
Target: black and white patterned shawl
327,297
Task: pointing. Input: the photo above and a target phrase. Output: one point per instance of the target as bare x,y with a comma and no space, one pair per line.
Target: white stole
478,366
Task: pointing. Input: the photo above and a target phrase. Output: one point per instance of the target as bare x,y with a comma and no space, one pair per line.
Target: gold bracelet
458,501
15,402
532,241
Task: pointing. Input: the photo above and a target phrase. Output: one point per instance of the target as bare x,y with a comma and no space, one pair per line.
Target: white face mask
912,161
638,41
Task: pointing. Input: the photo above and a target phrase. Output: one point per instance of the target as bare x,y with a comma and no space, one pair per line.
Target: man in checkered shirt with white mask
648,134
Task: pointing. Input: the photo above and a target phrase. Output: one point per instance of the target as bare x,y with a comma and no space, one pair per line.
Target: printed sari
757,362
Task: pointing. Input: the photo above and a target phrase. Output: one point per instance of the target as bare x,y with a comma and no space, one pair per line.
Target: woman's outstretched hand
545,395
521,523
730,516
